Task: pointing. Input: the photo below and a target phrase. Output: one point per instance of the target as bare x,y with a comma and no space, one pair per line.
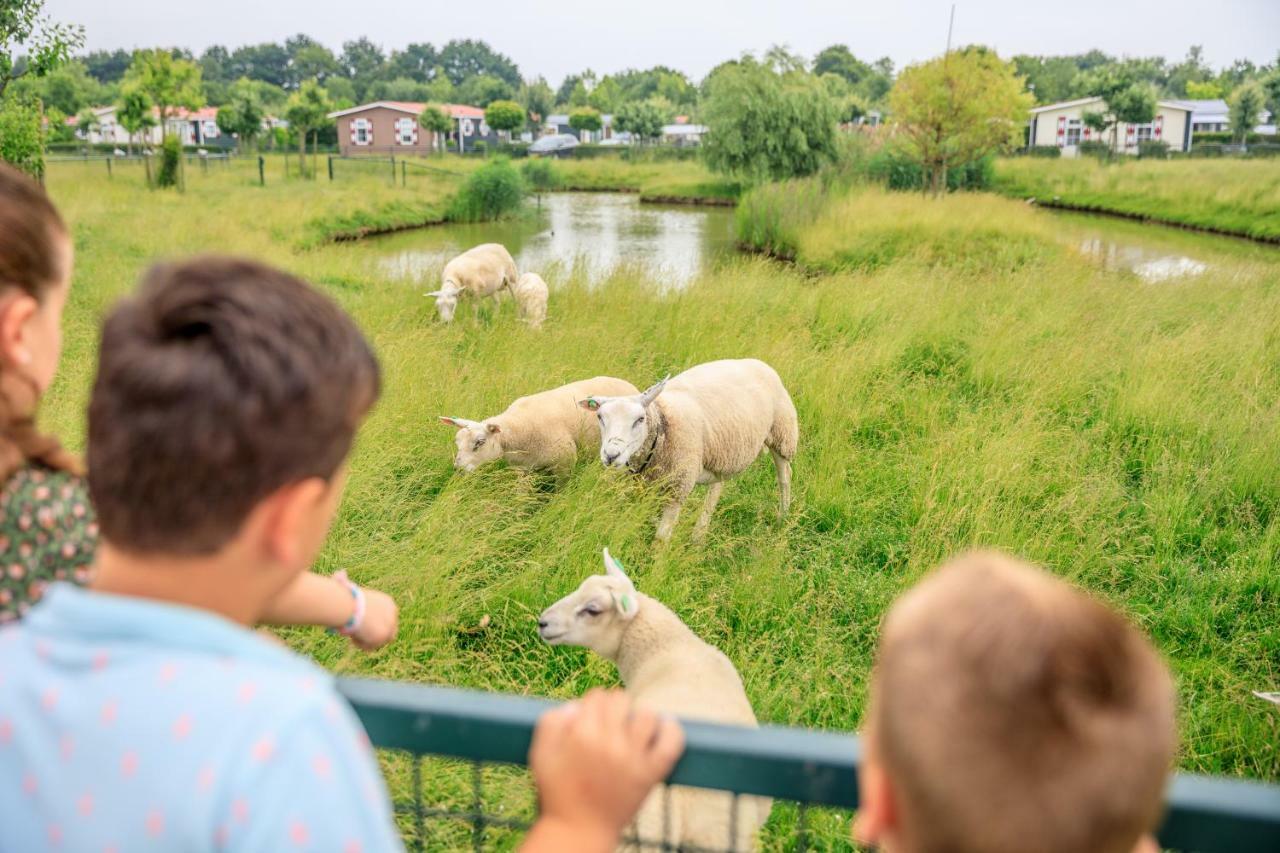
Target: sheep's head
446,299
624,423
595,614
478,443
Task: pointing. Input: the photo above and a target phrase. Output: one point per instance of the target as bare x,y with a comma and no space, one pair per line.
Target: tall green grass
1125,435
1232,196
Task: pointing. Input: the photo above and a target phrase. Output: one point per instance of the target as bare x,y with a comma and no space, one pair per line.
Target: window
404,131
1073,131
210,129
361,132
1144,132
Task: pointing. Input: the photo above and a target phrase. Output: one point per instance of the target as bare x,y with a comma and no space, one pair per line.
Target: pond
592,234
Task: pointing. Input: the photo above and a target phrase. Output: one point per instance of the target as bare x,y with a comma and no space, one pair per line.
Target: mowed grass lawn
1125,434
1231,195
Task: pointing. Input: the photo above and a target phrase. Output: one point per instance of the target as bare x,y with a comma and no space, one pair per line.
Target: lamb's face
623,429
478,443
446,299
594,615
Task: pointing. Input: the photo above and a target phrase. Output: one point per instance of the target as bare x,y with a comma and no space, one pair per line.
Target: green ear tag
592,404
626,603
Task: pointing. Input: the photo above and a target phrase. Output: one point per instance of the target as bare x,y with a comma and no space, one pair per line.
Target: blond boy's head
1011,712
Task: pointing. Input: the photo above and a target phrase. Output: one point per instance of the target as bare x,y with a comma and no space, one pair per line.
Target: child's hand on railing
595,761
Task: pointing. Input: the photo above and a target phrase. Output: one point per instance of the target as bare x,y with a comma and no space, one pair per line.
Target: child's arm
594,762
328,601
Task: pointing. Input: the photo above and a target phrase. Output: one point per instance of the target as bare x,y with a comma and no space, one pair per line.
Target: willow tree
956,109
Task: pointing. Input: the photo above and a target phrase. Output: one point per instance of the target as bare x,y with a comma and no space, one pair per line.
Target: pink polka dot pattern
264,749
182,727
84,805
155,823
129,764
298,833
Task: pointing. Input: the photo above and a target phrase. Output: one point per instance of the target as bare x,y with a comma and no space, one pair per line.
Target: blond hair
1012,712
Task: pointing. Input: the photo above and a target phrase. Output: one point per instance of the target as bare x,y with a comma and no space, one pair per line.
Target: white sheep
667,668
709,424
531,298
538,432
483,271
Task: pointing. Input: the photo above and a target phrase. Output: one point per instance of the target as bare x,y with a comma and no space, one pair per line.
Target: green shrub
1094,148
1223,137
542,174
491,192
1050,151
899,172
170,162
1156,149
22,135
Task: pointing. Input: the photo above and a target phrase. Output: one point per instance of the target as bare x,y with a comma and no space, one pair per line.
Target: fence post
262,172
403,170
330,168
146,158
393,170
109,168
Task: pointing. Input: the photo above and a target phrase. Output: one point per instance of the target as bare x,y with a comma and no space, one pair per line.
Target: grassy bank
1239,197
1125,435
672,182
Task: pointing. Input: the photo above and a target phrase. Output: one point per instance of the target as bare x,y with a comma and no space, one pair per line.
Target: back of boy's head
219,382
1011,712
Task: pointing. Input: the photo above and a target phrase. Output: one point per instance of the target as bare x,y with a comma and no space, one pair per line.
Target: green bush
1050,151
491,192
170,162
899,172
541,174
1156,149
22,135
1223,137
1094,148
514,150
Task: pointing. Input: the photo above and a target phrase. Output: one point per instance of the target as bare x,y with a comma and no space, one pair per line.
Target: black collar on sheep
654,435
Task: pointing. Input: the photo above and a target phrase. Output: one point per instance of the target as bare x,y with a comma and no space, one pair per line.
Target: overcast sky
558,38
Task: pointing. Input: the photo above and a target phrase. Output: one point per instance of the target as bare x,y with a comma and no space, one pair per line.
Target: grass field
1232,196
1123,433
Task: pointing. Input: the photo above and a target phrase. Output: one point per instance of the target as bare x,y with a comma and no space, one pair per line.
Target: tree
1126,98
440,89
571,83
585,119
363,63
417,62
537,98
764,125
44,44
470,58
107,66
504,115
1191,70
1245,104
839,60
307,110
1209,90
268,62
605,97
956,109
243,113
643,119
135,114
312,62
782,60
69,88
168,82
484,89
435,120
22,134
87,122
1271,88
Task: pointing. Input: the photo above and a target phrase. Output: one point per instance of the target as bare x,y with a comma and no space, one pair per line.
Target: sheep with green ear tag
542,431
701,427
483,271
667,668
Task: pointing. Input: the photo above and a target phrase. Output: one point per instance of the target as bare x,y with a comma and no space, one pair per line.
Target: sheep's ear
436,293
652,392
591,404
626,604
457,422
493,428
614,569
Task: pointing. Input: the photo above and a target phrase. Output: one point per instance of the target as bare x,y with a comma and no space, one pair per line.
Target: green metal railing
809,768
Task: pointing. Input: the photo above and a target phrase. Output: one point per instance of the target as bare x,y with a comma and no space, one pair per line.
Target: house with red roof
391,127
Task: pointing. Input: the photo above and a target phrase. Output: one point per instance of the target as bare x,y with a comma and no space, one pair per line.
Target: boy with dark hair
1011,713
144,713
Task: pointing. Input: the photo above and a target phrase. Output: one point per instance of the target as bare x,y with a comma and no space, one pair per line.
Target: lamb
542,431
481,271
531,299
708,425
667,668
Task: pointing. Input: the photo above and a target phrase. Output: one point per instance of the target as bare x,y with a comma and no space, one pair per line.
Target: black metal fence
471,746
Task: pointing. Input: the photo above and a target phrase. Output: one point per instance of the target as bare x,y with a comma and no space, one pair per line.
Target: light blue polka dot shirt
133,725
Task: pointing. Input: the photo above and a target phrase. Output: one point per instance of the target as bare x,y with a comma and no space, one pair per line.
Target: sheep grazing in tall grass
531,299
701,428
667,668
542,431
482,271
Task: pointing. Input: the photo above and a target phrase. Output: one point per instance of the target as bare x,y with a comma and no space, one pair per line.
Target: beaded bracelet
357,615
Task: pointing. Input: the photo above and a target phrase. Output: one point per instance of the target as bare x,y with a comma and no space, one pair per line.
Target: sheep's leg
783,466
709,507
667,524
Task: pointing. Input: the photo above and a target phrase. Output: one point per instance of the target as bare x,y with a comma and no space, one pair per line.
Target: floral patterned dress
47,533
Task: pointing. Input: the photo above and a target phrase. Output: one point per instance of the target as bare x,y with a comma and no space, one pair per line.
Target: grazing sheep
709,424
531,298
540,431
665,667
481,271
